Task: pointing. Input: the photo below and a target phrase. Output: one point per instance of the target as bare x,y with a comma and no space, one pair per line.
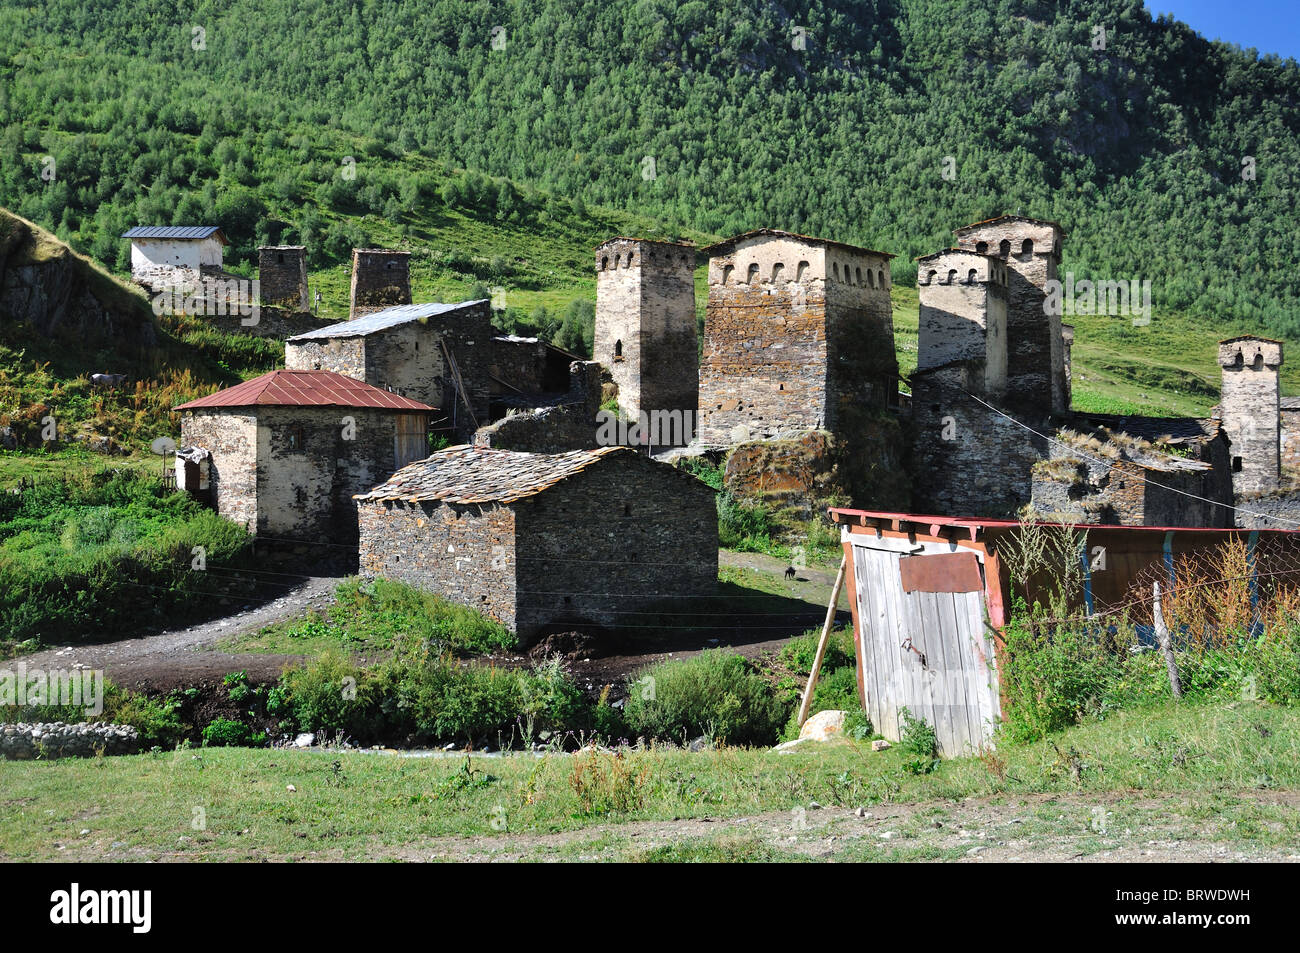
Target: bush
742,524
800,652
716,694
329,693
835,691
225,733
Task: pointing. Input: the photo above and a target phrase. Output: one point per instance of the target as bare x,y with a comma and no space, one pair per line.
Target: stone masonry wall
604,545
463,553
1250,412
26,742
645,323
1290,440
346,356
967,460
786,343
1035,350
568,425
380,279
307,493
963,314
230,435
282,274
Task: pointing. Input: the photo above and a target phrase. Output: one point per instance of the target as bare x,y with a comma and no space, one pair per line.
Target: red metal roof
978,523
306,389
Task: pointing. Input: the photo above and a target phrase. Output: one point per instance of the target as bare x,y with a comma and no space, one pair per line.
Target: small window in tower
279,257
618,350
981,248
880,278
1258,363
294,438
871,279
726,274
802,272
835,270
1236,464
952,275
777,272
604,263
627,509
970,277
930,276
857,275
1026,247
753,274
1004,248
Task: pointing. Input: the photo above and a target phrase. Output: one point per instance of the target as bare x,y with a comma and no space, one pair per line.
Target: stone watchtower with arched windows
645,323
798,333
1249,412
1036,358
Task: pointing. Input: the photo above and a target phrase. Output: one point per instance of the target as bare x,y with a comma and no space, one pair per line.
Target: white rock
304,740
823,726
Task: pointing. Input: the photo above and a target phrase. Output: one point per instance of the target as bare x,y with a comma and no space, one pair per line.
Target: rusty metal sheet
944,572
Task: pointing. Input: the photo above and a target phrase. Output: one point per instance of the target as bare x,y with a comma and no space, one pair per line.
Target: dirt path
169,659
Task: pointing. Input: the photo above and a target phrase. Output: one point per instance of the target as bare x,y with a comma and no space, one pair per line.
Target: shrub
225,733
329,693
716,694
835,691
800,652
742,524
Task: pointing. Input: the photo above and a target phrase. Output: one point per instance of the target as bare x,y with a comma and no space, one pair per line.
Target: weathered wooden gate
923,640
411,442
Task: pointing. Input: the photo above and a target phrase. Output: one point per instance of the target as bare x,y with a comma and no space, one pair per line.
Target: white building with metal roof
171,254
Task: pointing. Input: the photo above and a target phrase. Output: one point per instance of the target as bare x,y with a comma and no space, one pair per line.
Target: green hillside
337,125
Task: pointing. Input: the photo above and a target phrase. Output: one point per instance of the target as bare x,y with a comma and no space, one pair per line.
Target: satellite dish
163,445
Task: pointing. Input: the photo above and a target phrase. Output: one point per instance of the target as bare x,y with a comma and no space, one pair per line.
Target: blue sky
1271,26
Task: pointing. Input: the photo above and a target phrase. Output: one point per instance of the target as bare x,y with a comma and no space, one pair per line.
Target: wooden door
411,441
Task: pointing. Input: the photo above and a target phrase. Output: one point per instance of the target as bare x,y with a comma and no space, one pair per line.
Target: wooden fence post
1166,643
821,643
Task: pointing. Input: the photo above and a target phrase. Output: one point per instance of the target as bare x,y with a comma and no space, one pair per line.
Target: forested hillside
245,112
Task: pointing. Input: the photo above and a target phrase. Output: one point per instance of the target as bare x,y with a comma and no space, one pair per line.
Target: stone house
797,332
171,255
290,448
438,354
540,540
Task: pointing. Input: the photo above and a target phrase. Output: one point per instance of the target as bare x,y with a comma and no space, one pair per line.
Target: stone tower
1249,412
1035,349
380,279
645,324
798,334
963,314
282,274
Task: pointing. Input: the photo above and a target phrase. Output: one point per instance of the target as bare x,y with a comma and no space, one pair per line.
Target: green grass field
1208,777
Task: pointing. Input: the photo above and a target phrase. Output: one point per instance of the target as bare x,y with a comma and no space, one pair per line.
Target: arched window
726,274
982,248
880,277
604,263
1238,361
857,275
930,276
871,279
1004,248
618,350
802,272
753,274
835,270
970,277
1258,363
629,260
1027,247
778,272
952,275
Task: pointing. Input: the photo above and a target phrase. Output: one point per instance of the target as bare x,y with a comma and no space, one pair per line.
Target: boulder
823,726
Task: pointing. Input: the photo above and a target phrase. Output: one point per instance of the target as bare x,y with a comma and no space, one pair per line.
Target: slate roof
1152,429
467,474
185,232
381,320
724,246
306,389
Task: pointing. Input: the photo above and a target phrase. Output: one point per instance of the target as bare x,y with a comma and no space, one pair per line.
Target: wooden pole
821,643
1166,643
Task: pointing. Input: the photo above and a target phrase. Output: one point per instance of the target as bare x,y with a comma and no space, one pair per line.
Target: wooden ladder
456,379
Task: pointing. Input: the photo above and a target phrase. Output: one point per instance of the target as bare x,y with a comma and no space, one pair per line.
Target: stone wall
306,493
967,460
282,274
618,538
645,323
1277,511
569,424
794,332
1035,349
1249,407
1290,441
346,356
27,742
463,553
380,279
272,322
230,435
963,314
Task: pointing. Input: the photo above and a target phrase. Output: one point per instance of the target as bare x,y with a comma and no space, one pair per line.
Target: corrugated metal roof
185,232
468,474
381,320
724,246
306,389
